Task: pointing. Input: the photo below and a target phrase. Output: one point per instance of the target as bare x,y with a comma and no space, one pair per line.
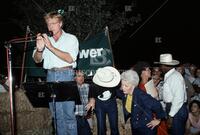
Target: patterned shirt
83,92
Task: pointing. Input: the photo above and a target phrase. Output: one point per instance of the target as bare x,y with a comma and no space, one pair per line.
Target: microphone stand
10,82
24,55
53,96
8,46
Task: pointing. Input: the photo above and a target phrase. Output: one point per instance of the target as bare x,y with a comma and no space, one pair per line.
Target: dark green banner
95,52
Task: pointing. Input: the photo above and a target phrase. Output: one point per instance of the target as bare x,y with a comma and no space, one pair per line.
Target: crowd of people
171,106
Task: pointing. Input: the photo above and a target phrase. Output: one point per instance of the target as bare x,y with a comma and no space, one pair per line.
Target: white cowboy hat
107,77
166,59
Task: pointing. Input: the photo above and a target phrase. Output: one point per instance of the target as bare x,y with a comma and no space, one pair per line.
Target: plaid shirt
83,92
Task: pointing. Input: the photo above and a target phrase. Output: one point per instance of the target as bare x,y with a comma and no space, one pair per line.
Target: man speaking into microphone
59,54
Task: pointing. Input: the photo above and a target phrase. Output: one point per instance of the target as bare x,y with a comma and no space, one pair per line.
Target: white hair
131,77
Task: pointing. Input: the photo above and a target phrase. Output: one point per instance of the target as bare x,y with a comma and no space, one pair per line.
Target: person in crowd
158,82
144,72
190,70
139,106
156,71
196,82
196,86
106,80
174,94
157,77
189,87
193,122
86,107
59,54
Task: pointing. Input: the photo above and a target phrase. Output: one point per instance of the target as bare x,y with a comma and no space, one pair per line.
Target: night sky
176,25
174,28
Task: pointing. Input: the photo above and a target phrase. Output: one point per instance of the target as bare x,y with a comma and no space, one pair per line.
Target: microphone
30,38
49,33
31,33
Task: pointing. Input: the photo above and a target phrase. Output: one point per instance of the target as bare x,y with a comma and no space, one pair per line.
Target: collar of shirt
169,73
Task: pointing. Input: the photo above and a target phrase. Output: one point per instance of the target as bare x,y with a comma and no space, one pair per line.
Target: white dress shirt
66,43
174,90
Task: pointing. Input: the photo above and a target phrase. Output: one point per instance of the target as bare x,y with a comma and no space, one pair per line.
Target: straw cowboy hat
166,59
107,77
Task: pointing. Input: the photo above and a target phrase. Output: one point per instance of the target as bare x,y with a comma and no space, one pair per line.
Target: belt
61,68
169,103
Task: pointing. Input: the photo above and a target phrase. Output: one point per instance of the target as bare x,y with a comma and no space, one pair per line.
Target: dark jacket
143,107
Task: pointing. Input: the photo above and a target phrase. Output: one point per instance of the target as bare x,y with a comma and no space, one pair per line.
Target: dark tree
82,17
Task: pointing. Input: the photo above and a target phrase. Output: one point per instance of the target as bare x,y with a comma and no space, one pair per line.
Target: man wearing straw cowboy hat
174,94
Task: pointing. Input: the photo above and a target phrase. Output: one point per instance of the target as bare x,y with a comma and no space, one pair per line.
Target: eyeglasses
52,23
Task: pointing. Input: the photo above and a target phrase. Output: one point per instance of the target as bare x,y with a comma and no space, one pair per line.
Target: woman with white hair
139,105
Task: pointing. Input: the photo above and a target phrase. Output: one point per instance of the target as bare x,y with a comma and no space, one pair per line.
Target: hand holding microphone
40,44
42,41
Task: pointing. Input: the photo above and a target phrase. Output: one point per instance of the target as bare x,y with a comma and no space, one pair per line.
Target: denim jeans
101,109
179,121
63,112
